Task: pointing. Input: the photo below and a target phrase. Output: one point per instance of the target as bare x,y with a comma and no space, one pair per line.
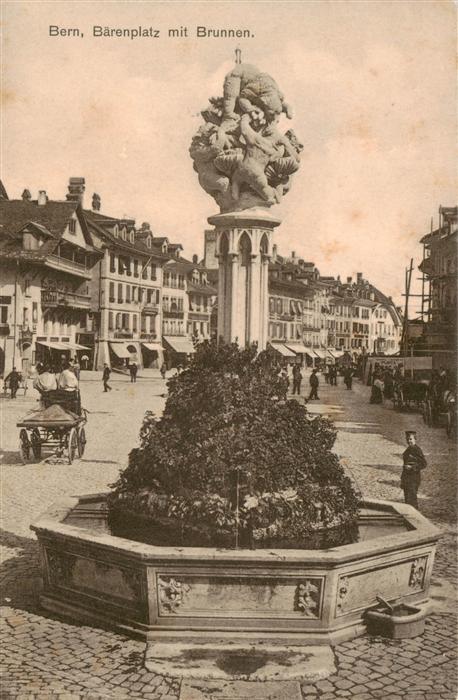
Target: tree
231,460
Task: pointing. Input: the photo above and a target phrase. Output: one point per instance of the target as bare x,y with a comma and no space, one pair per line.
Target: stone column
264,301
255,302
221,295
250,303
232,301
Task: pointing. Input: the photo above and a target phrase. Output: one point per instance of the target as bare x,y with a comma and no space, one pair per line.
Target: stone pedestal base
243,247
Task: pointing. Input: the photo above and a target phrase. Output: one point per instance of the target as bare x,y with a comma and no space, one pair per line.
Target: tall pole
405,334
15,314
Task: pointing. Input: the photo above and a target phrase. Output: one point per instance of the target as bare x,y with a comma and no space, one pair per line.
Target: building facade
440,273
127,292
47,257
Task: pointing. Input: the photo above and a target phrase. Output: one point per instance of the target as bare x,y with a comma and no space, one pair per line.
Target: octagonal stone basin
289,596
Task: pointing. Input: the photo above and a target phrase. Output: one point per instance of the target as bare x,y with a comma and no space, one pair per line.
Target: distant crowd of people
330,374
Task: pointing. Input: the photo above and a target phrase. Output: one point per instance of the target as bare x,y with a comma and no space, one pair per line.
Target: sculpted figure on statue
239,154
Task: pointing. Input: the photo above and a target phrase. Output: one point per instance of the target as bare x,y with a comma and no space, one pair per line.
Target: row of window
172,303
200,329
125,266
361,328
171,279
173,327
130,293
130,322
279,305
280,331
198,303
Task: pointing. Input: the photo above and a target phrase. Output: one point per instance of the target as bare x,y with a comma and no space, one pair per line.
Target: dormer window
72,225
116,231
149,241
132,237
164,247
123,233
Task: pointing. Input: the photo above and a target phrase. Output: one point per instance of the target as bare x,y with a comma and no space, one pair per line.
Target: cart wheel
35,440
451,424
424,413
24,446
81,441
72,445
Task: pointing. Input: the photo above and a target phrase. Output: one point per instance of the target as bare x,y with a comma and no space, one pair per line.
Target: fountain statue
245,163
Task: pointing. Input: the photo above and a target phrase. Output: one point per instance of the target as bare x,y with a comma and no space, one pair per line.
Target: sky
372,86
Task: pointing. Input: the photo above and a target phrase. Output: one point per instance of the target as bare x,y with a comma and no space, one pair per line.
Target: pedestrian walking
12,381
297,380
348,377
284,377
314,384
133,369
414,461
377,390
106,377
163,370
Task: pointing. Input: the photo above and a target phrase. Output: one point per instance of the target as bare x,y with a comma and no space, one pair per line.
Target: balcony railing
148,336
123,334
52,297
173,314
68,265
150,309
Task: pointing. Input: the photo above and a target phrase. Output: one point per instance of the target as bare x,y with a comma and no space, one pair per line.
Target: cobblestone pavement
44,656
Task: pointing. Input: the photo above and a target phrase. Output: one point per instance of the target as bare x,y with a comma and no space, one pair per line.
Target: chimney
359,277
145,226
195,259
26,196
42,198
348,280
293,254
96,202
76,189
274,252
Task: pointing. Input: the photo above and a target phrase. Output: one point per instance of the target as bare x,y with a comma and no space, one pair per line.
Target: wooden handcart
58,425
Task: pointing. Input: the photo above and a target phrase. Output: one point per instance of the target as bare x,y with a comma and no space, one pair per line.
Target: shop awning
180,344
337,353
283,350
152,346
120,349
319,353
54,346
62,346
298,348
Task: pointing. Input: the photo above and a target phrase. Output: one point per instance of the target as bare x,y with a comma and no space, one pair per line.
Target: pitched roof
53,216
51,219
98,223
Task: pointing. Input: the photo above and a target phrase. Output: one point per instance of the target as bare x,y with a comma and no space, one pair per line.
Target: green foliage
231,452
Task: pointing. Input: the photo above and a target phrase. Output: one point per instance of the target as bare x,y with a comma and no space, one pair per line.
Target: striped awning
298,348
282,350
120,349
180,344
62,346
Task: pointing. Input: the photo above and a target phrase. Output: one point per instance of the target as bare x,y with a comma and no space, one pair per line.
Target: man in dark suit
314,383
414,461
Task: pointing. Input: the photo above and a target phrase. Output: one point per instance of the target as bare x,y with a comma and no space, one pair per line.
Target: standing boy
106,377
414,461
